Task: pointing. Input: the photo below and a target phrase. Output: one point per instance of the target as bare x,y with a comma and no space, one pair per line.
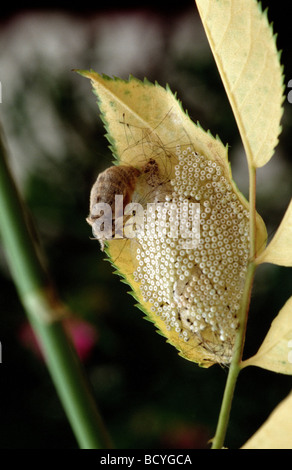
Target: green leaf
145,121
279,249
275,352
276,432
244,48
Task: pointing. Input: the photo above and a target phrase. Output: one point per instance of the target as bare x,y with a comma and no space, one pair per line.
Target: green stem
235,366
234,369
44,311
252,212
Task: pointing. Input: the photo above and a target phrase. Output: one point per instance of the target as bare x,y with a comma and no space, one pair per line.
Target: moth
113,190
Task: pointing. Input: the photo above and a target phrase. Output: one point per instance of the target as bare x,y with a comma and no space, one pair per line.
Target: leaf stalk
45,312
235,365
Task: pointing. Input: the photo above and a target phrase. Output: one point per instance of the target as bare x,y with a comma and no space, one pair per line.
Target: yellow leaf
146,122
276,432
279,250
142,118
275,352
245,52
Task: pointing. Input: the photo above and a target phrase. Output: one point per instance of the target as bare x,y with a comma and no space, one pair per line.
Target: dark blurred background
148,395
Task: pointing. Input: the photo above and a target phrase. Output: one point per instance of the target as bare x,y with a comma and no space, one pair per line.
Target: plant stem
234,369
44,312
252,213
218,441
71,384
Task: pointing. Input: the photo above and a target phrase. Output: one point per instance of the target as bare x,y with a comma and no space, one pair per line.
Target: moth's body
116,180
122,181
